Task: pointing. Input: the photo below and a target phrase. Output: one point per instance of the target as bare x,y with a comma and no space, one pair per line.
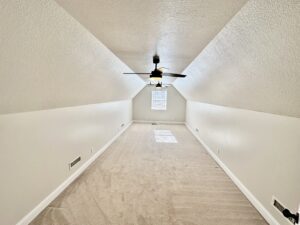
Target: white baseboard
43,204
158,122
255,202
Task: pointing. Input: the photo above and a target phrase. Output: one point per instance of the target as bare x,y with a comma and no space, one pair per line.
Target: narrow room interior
153,112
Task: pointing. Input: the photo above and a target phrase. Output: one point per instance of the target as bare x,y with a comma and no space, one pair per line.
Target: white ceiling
48,60
253,63
134,30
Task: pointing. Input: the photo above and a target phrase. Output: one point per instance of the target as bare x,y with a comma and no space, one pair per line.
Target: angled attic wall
36,149
48,60
260,149
253,63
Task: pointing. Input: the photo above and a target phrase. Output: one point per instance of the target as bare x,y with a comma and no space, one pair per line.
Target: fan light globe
155,78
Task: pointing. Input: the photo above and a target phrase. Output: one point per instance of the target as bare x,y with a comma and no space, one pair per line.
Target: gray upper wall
253,63
175,111
49,60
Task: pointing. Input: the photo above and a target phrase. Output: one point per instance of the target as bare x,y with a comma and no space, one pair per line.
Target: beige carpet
139,181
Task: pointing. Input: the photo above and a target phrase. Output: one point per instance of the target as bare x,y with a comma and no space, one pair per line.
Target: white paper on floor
164,136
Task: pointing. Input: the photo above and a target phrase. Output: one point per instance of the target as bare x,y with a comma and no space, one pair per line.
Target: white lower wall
261,150
36,148
175,112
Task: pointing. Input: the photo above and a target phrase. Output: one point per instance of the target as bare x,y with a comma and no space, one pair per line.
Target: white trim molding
44,203
255,202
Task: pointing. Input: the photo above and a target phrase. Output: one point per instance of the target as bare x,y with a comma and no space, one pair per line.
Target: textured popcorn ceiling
253,63
134,30
48,60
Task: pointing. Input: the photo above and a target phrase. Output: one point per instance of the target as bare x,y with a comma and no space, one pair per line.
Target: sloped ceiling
49,60
134,30
253,63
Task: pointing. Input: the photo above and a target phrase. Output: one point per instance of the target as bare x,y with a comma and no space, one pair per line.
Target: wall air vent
73,163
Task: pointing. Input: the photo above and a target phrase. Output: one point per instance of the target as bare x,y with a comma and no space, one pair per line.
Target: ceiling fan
157,73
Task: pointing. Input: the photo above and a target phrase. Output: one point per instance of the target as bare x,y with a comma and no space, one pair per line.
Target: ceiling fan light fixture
155,77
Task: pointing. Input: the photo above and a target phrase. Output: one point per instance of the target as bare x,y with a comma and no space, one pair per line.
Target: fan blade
173,75
138,73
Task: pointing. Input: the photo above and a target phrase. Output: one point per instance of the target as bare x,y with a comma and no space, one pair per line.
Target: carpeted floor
146,178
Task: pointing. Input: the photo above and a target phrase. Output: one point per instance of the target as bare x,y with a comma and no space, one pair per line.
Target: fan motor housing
156,74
